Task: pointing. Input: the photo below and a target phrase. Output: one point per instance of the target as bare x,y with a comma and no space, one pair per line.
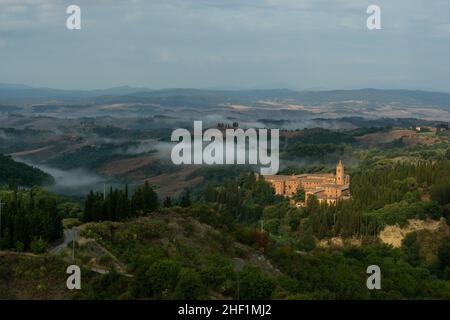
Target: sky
226,44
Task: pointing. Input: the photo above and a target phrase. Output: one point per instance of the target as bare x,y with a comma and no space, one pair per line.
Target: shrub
38,246
161,278
190,285
19,246
255,285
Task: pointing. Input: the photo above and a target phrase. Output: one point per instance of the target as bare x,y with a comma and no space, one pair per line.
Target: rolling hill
13,172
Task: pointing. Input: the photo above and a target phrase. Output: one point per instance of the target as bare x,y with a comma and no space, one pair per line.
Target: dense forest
117,205
31,219
317,143
386,196
381,196
17,173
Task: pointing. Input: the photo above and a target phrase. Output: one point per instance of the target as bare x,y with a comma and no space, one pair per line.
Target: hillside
21,174
193,253
168,254
26,276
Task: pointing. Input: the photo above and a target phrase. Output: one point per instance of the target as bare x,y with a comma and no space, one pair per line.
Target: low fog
74,182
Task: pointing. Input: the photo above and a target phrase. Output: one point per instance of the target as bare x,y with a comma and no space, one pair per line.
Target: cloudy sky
299,44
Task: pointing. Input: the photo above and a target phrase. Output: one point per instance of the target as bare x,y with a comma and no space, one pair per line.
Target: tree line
29,220
117,205
245,198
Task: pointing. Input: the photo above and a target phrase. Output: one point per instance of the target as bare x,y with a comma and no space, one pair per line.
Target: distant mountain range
17,94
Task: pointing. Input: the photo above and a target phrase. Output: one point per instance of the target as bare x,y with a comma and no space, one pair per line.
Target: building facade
326,187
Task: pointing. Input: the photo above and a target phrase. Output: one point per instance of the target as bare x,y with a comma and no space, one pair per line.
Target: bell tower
340,173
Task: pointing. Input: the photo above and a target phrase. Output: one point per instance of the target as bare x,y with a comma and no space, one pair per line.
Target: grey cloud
225,43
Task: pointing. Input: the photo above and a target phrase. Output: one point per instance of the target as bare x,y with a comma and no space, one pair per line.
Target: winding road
71,235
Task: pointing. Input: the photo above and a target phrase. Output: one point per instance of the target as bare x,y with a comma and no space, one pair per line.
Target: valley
149,229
